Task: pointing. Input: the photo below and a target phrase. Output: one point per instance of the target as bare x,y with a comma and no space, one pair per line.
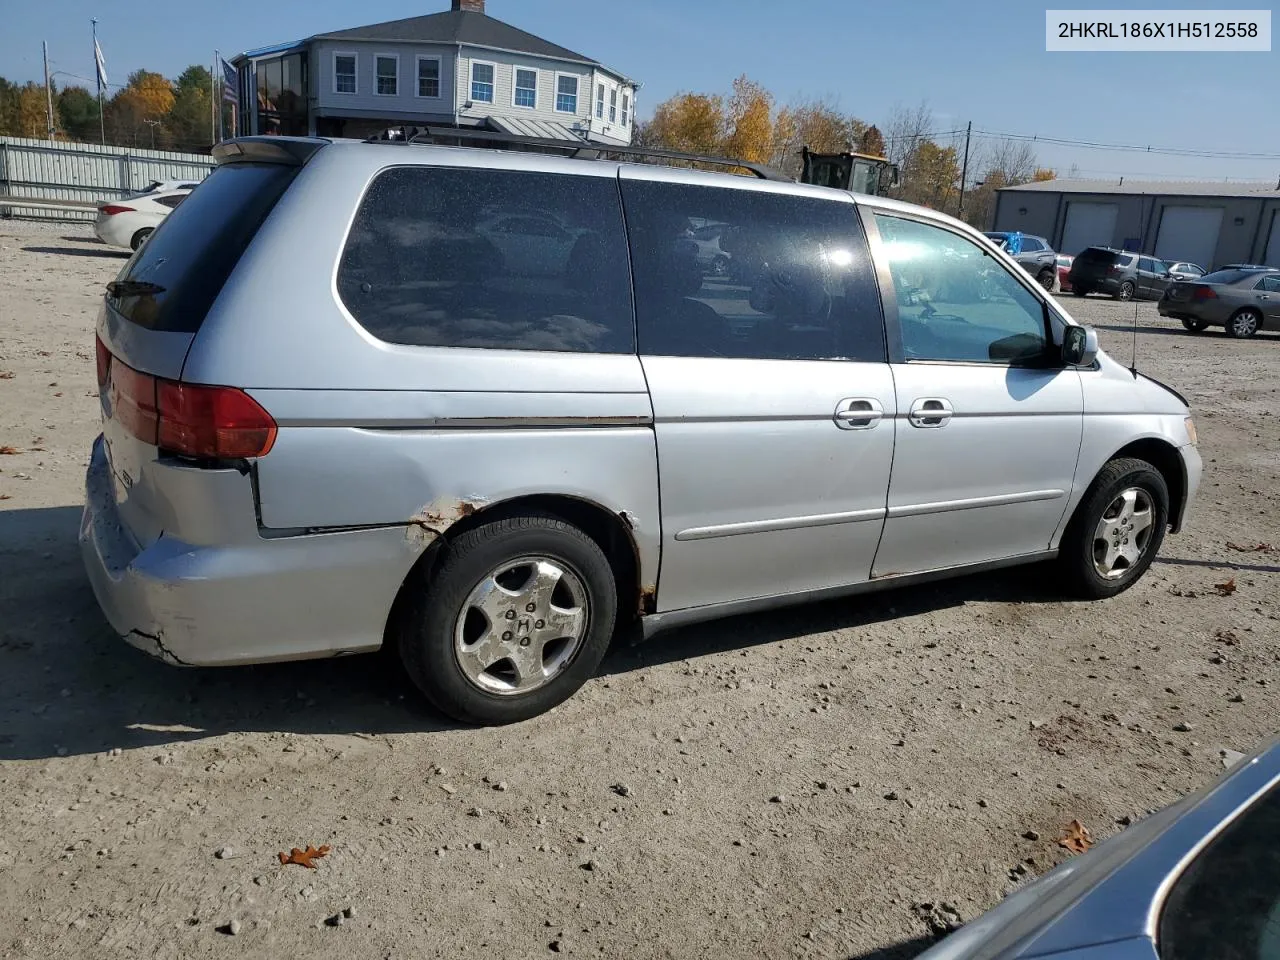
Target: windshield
1226,905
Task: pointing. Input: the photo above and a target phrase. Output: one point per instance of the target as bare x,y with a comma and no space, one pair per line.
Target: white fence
83,173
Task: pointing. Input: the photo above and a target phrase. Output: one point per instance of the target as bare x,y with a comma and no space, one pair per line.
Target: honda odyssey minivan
346,404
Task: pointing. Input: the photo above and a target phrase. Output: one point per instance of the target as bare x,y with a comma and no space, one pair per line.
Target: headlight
1190,424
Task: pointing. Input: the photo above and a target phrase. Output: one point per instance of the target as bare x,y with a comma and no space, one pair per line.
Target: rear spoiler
294,151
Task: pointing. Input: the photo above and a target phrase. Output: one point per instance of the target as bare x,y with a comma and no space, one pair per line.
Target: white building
458,68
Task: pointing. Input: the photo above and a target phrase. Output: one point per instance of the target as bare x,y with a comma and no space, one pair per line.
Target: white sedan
128,222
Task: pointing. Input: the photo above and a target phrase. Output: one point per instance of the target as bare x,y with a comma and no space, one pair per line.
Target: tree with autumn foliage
146,97
689,122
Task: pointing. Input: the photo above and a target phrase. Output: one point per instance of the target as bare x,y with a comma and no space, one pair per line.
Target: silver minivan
491,408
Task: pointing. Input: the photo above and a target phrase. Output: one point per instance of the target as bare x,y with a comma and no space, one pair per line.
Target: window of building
566,94
526,90
387,67
957,303
613,106
344,73
599,101
484,258
626,109
750,274
481,82
428,76
282,97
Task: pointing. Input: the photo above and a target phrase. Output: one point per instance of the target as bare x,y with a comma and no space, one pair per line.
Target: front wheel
515,620
1117,529
1196,326
1045,279
1244,324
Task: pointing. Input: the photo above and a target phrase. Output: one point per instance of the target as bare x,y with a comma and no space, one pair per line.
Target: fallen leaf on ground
1183,593
304,858
1077,838
6,375
1254,548
5,496
9,450
1226,589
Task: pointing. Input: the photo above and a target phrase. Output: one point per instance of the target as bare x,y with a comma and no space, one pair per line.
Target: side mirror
1079,346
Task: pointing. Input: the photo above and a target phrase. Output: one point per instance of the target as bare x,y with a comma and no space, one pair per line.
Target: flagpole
218,87
213,100
97,70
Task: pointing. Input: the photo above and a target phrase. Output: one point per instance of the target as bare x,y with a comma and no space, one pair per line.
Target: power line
1094,145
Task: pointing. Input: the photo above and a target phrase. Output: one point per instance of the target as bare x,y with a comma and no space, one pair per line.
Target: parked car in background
128,222
1183,270
712,257
1036,256
1198,879
335,414
1064,272
1243,301
1121,274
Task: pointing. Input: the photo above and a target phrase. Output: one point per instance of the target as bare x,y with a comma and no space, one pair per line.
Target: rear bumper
287,598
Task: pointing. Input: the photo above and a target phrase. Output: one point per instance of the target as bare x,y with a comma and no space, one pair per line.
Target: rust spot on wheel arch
435,518
648,598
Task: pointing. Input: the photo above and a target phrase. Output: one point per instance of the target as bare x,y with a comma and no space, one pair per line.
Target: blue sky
983,62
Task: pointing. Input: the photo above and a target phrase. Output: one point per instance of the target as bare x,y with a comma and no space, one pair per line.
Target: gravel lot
794,784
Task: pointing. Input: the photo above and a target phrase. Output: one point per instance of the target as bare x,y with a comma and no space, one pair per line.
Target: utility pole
964,169
152,124
48,90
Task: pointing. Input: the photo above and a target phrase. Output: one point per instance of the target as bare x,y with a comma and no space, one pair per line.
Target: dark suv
1037,257
1121,274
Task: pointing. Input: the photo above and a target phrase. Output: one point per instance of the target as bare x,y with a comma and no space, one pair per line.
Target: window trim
515,79
599,110
889,294
577,95
613,104
386,56
355,73
626,108
417,77
471,81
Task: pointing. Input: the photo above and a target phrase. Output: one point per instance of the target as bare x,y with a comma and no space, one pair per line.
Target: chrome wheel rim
1245,324
1126,291
521,625
1123,533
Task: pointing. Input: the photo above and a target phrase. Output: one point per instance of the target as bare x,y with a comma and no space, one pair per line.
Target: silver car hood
1114,892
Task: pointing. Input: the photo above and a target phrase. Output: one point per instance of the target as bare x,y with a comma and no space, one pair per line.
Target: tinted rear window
1227,276
490,258
196,247
1226,905
1096,256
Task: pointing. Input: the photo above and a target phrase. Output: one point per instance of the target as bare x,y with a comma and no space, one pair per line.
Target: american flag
102,65
230,82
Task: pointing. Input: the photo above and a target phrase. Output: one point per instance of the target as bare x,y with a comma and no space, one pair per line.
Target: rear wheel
1080,291
1244,324
1127,290
514,621
1045,279
1117,529
139,238
1195,326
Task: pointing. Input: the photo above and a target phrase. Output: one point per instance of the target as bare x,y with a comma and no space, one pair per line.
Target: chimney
474,6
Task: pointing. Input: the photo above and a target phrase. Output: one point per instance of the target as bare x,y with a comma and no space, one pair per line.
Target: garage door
1189,233
1088,225
1272,257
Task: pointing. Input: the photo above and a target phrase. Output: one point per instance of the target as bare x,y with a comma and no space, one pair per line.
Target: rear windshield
1094,255
1227,276
175,276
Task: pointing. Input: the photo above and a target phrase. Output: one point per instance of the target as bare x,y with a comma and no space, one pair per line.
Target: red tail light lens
1203,293
190,420
110,209
219,423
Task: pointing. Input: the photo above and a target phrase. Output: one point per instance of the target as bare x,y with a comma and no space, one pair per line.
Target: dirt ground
791,784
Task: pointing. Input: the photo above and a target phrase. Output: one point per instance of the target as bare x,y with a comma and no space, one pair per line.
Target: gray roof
1188,188
459,26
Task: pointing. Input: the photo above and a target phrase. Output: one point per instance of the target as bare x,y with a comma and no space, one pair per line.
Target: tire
139,238
439,631
1045,279
1080,291
1127,291
1195,326
1084,553
1244,324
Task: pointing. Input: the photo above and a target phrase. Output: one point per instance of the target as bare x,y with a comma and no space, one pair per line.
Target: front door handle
930,412
858,413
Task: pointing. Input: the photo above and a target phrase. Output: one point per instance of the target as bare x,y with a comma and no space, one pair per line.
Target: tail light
1203,293
110,209
1115,268
189,420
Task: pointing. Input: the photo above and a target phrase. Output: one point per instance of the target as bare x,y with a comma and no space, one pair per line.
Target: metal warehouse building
1205,223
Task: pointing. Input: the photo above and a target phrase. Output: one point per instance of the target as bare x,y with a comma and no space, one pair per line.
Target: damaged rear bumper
285,598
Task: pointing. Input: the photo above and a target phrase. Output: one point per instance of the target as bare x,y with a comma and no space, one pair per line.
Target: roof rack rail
580,150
